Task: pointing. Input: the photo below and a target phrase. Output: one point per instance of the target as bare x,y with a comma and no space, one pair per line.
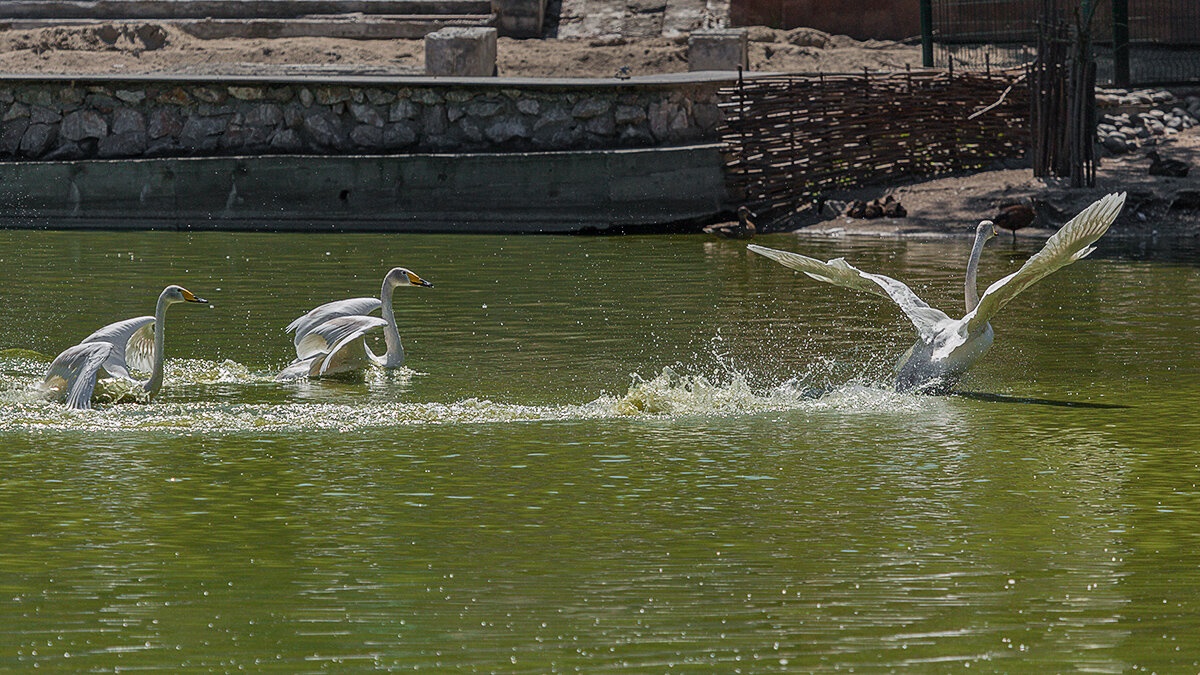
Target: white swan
110,352
330,338
947,347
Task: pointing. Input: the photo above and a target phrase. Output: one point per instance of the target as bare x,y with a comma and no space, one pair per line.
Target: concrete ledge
107,10
535,83
536,192
350,27
411,27
273,18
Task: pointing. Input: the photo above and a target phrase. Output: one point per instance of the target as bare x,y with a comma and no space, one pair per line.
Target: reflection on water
651,453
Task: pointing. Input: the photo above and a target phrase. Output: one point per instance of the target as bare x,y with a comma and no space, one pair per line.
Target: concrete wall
860,19
433,154
511,192
58,119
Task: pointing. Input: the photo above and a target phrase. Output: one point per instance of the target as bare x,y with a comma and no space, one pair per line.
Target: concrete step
345,26
108,10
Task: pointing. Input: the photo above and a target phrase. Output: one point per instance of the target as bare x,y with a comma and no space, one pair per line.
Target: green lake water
649,454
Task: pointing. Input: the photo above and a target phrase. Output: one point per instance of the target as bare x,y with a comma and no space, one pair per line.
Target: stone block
718,50
397,136
461,52
130,144
83,124
286,140
37,139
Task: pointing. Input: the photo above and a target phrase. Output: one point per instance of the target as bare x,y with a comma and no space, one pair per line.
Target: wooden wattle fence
1064,101
794,138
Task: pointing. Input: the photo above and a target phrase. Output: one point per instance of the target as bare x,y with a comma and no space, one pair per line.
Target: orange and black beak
417,281
189,296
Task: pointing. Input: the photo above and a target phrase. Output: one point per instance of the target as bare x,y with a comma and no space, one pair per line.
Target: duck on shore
888,207
892,208
1166,167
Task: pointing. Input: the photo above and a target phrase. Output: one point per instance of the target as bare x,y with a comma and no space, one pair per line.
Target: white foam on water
665,395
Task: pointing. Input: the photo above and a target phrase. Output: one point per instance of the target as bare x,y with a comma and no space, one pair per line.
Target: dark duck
742,229
1166,167
1013,217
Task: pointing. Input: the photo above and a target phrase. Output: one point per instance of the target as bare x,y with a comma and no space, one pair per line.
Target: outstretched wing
1072,242
838,272
134,343
349,335
74,372
333,335
328,311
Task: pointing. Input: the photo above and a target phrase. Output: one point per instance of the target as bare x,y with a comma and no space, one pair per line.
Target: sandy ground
151,48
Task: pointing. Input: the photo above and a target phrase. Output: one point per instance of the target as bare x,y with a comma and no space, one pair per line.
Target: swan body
331,339
946,348
103,359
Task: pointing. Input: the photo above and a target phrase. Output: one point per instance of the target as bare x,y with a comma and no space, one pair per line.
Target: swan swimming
946,348
330,339
109,353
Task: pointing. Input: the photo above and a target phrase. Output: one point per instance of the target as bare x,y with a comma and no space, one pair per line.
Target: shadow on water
819,392
1000,398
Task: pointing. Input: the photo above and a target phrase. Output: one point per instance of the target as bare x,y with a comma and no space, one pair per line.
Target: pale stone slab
461,52
724,49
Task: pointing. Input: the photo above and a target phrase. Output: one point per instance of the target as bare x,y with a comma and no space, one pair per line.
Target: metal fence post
927,33
1120,21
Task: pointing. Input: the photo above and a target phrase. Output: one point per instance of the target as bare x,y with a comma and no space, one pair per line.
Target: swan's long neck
394,356
972,295
156,376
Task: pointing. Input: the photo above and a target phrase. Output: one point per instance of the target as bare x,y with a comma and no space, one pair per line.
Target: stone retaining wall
148,117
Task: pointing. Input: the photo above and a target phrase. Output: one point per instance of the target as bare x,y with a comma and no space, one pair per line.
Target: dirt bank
145,48
1156,206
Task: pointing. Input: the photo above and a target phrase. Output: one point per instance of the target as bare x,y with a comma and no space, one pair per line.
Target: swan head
987,229
400,276
173,294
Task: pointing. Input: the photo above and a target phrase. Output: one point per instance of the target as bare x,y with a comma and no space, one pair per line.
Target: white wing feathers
330,347
329,336
344,333
838,272
1072,242
133,340
330,310
300,368
76,369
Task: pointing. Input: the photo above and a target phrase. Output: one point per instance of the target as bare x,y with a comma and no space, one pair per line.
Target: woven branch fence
793,138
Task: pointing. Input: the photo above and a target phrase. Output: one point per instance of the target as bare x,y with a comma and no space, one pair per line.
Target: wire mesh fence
1136,42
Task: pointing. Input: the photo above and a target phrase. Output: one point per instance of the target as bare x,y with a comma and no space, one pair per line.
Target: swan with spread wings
946,348
331,338
111,352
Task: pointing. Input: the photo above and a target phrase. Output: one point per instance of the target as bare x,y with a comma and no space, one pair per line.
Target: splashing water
665,395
